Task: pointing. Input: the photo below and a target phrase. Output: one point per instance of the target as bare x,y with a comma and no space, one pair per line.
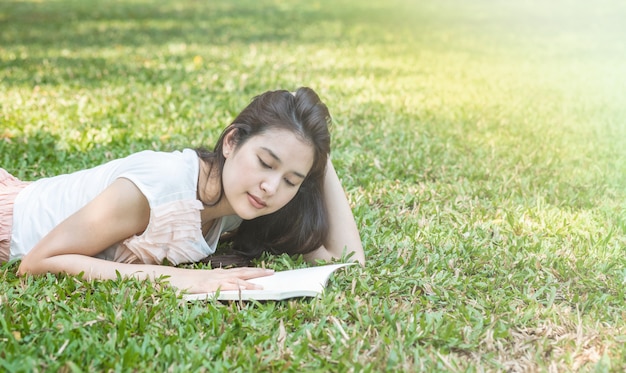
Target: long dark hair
301,225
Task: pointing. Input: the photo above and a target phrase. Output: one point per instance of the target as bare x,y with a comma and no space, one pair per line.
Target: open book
303,282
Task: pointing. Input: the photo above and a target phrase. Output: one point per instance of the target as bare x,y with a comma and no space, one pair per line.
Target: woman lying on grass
269,182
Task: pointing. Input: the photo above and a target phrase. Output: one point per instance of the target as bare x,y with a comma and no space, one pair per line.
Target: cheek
231,179
287,196
235,170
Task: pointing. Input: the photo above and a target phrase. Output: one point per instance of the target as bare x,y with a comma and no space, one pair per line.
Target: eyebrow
273,155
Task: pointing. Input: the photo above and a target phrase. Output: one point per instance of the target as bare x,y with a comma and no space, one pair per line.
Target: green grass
482,145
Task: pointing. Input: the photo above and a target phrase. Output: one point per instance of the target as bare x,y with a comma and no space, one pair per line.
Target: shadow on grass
39,154
92,24
51,42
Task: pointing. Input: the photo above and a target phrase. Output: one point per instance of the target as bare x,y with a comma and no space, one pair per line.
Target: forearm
191,280
92,268
343,236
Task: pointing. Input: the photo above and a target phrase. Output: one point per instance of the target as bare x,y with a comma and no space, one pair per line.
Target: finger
249,272
251,286
246,285
237,284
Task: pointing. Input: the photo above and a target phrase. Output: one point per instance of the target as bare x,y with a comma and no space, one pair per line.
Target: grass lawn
482,145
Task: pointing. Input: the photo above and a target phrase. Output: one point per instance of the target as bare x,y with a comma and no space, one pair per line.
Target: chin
249,215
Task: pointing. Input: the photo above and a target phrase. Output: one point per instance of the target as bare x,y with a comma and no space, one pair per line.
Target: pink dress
10,186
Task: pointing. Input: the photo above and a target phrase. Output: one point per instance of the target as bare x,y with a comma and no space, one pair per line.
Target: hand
205,281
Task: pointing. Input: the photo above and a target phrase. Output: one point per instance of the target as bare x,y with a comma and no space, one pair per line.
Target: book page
303,282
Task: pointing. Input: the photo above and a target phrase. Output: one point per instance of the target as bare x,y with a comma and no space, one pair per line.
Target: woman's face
264,173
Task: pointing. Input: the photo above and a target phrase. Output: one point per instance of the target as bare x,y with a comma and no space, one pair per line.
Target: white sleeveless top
168,181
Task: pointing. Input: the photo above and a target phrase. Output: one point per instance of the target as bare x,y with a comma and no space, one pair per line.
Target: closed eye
263,164
269,167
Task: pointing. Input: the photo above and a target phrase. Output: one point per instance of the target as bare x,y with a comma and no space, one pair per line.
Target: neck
208,191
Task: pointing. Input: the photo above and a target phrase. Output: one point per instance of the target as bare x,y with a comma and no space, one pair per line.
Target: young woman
268,183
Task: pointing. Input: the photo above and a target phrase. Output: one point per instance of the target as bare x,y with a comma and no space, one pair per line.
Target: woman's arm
343,236
119,212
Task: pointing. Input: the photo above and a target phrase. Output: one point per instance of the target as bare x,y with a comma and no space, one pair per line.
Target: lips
256,202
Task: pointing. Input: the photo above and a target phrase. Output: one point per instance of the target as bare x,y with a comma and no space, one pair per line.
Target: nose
270,184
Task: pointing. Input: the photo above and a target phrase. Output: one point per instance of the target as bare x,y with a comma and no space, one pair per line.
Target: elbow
26,267
354,255
362,260
358,257
22,270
